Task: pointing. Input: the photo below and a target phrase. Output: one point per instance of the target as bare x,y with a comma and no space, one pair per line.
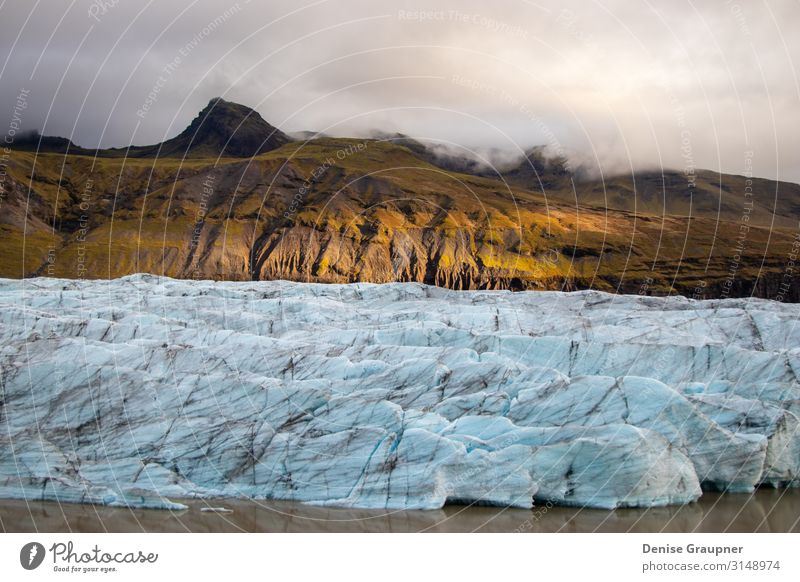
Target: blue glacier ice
137,390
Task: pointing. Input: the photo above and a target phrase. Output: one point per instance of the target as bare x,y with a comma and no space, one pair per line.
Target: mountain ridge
221,129
343,210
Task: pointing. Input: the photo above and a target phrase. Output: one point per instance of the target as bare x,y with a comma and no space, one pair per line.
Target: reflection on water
767,510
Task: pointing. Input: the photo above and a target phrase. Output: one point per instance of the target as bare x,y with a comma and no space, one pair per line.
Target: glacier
133,391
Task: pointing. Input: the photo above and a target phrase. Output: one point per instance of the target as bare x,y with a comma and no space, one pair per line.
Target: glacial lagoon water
767,510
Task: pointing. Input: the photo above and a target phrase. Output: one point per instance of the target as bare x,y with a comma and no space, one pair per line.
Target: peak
220,103
218,107
227,129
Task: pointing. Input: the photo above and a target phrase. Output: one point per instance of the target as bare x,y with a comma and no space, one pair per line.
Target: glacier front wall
131,391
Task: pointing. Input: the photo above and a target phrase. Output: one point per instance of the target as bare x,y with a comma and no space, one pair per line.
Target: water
767,510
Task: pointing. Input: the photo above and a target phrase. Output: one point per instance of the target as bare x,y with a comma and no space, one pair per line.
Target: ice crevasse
141,389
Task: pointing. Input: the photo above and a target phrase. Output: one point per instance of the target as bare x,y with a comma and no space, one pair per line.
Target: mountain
221,129
343,210
538,171
445,157
651,192
658,192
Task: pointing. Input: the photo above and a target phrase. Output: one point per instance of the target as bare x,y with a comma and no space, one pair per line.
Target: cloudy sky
711,83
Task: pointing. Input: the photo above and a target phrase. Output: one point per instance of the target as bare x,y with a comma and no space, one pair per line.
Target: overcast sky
712,84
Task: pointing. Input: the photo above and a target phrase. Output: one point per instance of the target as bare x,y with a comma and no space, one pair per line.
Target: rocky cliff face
344,210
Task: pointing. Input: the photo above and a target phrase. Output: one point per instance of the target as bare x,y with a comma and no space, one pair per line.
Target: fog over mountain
611,85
